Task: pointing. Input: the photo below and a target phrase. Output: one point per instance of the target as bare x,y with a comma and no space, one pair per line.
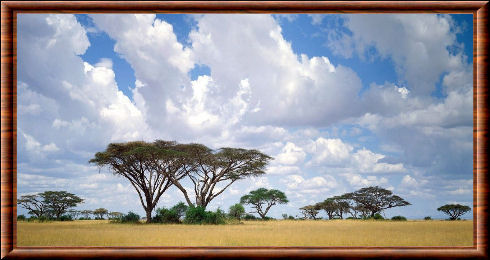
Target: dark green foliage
351,218
376,216
84,218
21,218
250,217
167,216
399,218
66,218
455,211
291,217
198,215
131,217
236,211
428,218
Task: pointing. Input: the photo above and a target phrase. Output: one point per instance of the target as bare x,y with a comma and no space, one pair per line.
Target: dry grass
250,233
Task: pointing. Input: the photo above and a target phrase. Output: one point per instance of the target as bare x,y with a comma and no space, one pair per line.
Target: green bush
376,216
428,218
131,217
166,216
249,217
21,218
351,218
291,217
66,218
198,215
399,218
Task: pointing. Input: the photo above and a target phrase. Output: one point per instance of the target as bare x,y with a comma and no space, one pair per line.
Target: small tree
309,211
33,203
86,213
329,206
376,199
263,199
115,215
100,213
454,210
59,202
236,211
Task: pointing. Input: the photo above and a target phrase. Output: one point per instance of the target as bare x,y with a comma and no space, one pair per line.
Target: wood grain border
9,9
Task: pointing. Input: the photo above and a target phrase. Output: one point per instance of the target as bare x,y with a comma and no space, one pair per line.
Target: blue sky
340,101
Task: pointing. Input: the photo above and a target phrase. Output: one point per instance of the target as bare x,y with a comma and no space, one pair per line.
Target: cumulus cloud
417,43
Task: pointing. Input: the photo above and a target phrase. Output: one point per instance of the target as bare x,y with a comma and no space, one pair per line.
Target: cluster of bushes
131,217
44,218
181,213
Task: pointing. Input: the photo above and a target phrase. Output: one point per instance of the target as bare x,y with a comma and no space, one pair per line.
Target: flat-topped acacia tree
263,199
212,171
375,199
147,166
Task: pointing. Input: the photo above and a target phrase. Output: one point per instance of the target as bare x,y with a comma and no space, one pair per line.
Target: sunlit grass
250,233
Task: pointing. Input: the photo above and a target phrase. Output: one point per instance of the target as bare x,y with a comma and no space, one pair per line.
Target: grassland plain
249,233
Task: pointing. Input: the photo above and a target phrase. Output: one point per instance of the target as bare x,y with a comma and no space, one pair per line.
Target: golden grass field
250,233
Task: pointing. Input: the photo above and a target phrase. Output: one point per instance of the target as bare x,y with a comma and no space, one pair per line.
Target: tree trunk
148,215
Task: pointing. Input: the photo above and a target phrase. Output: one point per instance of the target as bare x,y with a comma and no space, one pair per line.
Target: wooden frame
9,10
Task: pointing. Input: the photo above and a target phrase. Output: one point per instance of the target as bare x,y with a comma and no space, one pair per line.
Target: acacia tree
212,172
147,166
329,206
86,213
376,199
59,202
309,211
33,203
100,213
263,199
454,210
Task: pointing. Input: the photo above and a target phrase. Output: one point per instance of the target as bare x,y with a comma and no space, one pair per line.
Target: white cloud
291,154
358,181
329,151
367,162
417,43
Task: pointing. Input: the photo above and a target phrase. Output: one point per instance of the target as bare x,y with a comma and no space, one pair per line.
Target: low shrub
21,218
376,216
131,217
249,217
66,218
167,216
427,218
351,218
399,218
291,217
198,215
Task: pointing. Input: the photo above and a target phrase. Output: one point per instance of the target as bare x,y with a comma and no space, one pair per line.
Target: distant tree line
364,203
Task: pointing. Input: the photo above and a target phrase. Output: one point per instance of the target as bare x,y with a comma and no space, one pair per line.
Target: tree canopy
454,210
263,199
376,199
51,204
212,172
100,213
309,212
